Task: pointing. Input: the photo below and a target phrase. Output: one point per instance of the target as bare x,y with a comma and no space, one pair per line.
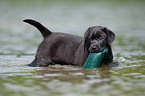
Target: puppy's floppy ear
110,35
87,38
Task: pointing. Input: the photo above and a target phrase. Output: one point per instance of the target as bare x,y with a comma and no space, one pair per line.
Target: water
19,41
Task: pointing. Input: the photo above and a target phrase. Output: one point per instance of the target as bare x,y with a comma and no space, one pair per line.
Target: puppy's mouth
95,51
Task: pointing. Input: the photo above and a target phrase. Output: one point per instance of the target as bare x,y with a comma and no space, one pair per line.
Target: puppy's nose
94,47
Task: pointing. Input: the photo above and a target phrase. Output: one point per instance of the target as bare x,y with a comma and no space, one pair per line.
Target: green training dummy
94,59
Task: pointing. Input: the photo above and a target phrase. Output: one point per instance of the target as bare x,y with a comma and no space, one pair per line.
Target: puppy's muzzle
94,48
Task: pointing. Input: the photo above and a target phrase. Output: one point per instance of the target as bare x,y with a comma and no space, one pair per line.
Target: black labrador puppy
61,48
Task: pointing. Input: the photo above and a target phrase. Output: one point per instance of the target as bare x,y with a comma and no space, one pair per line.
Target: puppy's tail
44,31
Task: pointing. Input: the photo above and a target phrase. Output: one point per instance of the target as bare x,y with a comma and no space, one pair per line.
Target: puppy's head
97,38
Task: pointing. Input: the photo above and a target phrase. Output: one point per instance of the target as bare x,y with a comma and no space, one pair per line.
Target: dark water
19,41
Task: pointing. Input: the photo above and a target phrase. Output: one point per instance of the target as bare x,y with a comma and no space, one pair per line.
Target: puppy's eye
101,38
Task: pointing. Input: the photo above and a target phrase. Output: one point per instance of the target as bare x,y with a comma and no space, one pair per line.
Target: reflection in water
70,80
57,79
71,74
97,77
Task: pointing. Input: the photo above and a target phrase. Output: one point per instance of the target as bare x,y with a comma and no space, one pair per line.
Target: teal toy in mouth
94,59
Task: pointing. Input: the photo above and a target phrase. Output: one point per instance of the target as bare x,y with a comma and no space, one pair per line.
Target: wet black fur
61,48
